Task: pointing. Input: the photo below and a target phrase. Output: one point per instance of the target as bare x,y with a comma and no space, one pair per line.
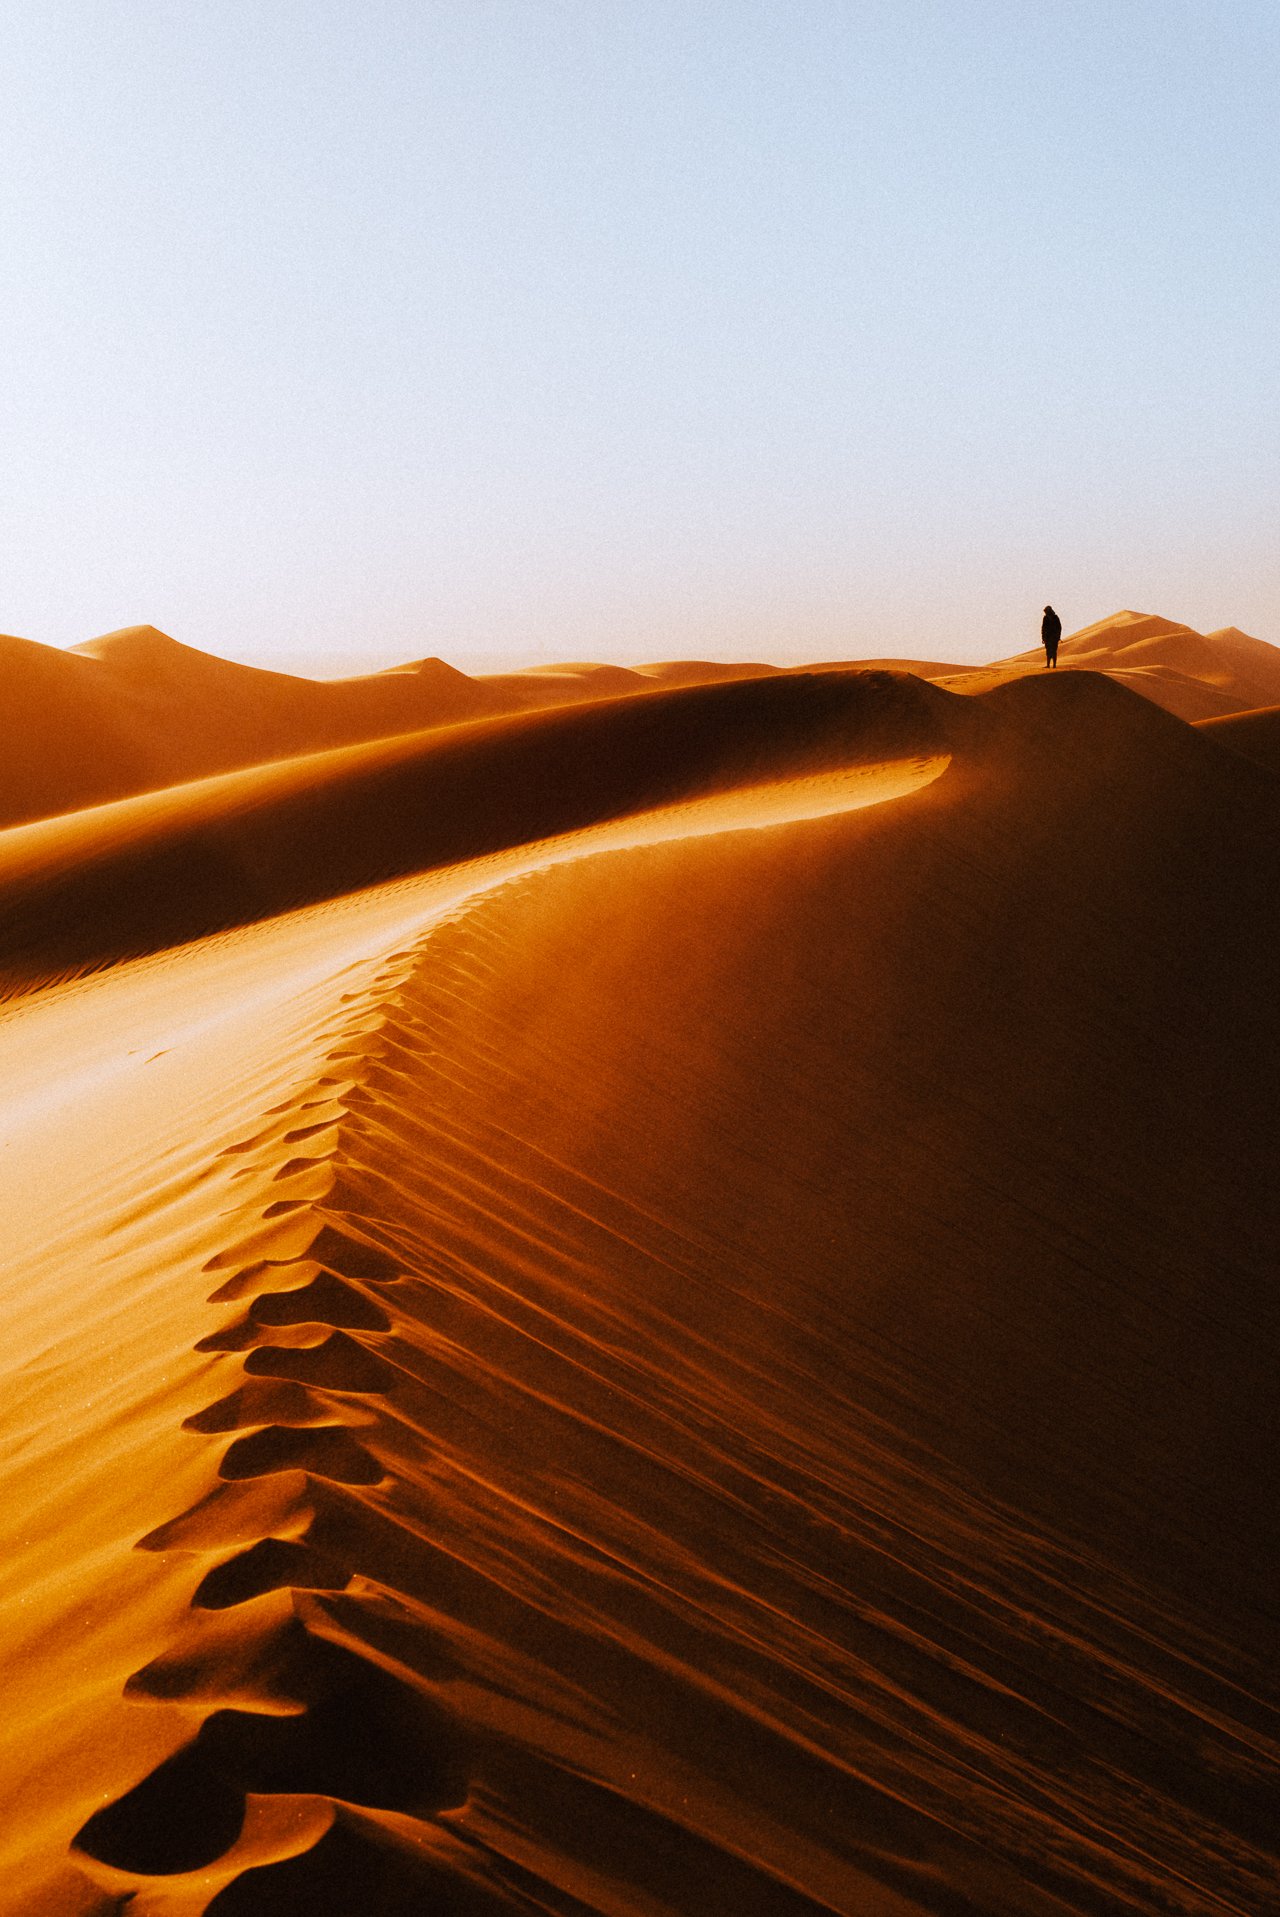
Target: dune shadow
363,1737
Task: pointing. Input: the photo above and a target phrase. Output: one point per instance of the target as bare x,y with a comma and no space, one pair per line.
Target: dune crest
121,879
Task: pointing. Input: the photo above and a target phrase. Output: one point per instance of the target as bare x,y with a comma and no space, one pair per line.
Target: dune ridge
131,877
136,711
653,1307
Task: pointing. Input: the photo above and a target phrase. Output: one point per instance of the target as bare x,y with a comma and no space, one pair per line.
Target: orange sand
661,1305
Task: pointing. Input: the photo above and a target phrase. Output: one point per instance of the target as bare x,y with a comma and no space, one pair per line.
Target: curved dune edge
137,712
116,881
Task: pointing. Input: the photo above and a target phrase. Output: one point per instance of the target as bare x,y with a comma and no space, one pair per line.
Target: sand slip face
1254,735
739,1375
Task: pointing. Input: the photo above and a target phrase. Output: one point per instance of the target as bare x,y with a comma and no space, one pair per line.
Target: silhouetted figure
1050,633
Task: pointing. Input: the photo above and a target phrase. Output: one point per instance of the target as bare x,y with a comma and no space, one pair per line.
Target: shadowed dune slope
1255,735
168,866
739,1375
136,711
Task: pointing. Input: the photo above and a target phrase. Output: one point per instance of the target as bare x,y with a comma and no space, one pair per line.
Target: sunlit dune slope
136,710
162,867
740,1364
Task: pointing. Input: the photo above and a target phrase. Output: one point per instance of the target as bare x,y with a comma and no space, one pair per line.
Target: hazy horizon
562,332
371,659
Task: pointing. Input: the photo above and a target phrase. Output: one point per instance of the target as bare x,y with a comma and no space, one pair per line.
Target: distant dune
135,711
647,1294
1195,675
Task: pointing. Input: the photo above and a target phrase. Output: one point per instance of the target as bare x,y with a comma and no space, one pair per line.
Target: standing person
1050,633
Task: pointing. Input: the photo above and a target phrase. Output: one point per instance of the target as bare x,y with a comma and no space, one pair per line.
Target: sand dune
151,871
659,1306
1195,675
136,711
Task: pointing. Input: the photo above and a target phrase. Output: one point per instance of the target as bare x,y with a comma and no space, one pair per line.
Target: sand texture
654,1301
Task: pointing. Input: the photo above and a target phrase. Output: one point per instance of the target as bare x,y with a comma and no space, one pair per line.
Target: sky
517,330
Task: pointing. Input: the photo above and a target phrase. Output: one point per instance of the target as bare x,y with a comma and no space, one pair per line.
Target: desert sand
644,1292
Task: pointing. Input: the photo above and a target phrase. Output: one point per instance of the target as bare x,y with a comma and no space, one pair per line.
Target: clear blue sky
608,328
